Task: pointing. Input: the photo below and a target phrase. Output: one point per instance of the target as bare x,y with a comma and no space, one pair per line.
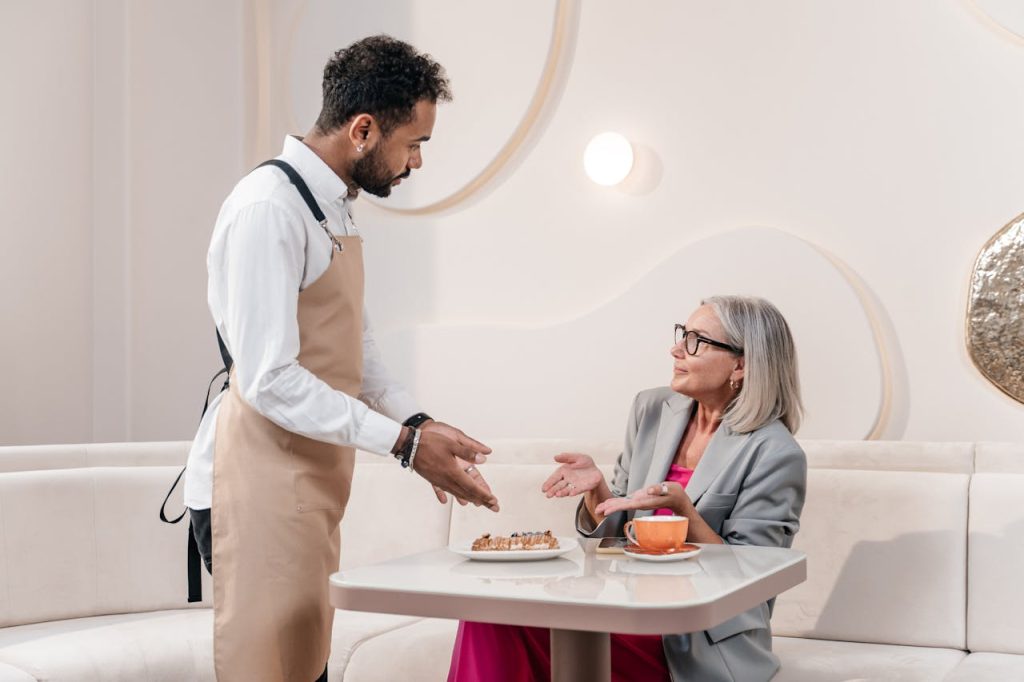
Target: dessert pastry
516,541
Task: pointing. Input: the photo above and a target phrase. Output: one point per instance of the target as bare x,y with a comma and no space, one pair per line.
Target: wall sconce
608,159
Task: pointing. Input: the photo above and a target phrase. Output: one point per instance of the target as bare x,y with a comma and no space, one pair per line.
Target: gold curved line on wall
994,24
564,12
878,333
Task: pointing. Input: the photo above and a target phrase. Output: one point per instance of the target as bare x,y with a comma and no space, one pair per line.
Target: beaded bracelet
415,446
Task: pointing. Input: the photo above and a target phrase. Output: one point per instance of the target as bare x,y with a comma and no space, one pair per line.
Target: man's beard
372,174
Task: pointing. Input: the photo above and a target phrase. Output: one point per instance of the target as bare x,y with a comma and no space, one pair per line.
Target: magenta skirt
511,653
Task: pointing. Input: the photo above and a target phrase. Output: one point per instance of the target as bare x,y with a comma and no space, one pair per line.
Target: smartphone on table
611,545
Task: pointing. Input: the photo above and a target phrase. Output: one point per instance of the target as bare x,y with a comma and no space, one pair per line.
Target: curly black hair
380,76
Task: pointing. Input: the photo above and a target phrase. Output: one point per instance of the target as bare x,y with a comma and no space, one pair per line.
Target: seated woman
716,447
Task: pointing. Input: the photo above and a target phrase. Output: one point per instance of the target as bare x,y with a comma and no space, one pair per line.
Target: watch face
417,419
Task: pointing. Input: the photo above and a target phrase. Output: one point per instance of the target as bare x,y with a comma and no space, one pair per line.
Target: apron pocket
321,485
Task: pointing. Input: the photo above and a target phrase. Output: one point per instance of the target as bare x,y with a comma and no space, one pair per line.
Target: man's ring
571,486
470,469
664,488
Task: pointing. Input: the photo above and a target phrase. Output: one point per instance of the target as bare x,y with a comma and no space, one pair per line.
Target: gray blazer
749,487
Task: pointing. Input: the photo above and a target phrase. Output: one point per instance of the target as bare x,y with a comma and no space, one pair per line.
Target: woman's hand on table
666,495
577,475
673,497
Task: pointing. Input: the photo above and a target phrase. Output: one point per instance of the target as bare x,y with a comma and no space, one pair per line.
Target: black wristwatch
417,419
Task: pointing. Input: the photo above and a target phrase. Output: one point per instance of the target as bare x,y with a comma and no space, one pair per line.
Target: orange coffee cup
658,532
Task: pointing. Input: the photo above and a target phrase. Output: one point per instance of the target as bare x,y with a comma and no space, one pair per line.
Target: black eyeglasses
691,341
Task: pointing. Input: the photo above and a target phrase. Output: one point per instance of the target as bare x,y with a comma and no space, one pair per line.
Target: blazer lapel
675,413
720,451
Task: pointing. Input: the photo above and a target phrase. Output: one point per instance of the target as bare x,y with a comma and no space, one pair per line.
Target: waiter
269,473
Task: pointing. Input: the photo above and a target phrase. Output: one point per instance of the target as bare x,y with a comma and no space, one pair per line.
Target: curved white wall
884,134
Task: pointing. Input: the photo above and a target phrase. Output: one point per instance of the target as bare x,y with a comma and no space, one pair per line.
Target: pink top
676,474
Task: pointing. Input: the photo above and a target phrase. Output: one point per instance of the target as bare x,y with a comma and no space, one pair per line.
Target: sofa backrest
38,457
884,528
390,513
543,450
996,550
83,542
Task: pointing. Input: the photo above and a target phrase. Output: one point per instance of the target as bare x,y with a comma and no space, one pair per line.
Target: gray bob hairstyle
771,386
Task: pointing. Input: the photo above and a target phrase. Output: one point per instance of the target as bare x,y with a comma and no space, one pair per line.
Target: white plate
564,545
661,558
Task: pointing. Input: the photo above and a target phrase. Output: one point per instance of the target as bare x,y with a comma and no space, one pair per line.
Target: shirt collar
322,181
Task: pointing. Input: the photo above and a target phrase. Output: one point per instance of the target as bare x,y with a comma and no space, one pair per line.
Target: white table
580,596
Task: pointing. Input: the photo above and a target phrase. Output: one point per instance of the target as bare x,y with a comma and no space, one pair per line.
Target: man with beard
269,473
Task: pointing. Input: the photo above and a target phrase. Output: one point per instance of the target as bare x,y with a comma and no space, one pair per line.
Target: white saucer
661,558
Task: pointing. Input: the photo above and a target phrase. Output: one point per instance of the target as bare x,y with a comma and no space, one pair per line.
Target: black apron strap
300,185
206,405
195,576
307,196
163,507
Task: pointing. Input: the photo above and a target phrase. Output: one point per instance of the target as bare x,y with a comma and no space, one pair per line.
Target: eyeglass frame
700,339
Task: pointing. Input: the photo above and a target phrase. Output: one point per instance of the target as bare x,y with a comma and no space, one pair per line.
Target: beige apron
278,499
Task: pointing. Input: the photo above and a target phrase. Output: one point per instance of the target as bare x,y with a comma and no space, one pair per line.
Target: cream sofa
903,583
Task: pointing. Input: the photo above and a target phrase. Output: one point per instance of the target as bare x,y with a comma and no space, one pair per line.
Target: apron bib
278,499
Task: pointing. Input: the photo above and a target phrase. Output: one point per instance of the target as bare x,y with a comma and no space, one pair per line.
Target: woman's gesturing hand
665,495
576,475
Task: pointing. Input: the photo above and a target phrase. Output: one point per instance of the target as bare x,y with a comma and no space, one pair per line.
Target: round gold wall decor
995,310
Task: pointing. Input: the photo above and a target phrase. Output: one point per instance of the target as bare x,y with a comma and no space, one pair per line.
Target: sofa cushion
814,660
161,646
9,673
886,559
426,649
88,542
523,506
426,652
985,667
996,564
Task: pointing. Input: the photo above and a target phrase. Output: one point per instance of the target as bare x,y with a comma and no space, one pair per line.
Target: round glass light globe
608,159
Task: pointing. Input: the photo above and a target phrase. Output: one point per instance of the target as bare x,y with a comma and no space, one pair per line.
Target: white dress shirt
266,248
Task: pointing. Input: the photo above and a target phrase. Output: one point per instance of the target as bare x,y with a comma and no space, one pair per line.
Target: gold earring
732,384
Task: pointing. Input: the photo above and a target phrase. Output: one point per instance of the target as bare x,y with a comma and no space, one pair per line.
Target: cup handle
627,529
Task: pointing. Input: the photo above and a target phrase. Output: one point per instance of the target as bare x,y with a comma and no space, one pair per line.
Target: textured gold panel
995,311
